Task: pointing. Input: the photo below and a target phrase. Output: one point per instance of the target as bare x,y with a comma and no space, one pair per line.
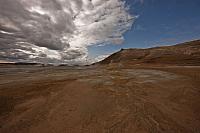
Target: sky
85,31
159,22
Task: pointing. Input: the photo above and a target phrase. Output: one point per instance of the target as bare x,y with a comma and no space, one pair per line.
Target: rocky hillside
181,54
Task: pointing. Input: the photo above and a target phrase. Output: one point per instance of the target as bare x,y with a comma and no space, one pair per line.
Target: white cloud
101,57
61,30
90,60
4,32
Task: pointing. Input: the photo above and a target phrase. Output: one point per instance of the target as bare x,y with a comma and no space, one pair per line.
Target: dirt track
103,100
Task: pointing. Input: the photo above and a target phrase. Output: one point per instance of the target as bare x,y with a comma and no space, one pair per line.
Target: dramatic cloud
59,31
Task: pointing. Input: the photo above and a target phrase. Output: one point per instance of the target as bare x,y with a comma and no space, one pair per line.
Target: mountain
187,53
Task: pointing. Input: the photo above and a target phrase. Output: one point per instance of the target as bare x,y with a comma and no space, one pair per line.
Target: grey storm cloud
59,30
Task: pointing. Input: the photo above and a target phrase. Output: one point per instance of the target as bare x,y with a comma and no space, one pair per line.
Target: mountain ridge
187,53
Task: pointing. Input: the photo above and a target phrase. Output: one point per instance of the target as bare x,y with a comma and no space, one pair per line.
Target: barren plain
99,99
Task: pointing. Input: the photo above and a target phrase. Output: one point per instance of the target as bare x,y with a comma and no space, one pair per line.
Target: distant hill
21,63
181,54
